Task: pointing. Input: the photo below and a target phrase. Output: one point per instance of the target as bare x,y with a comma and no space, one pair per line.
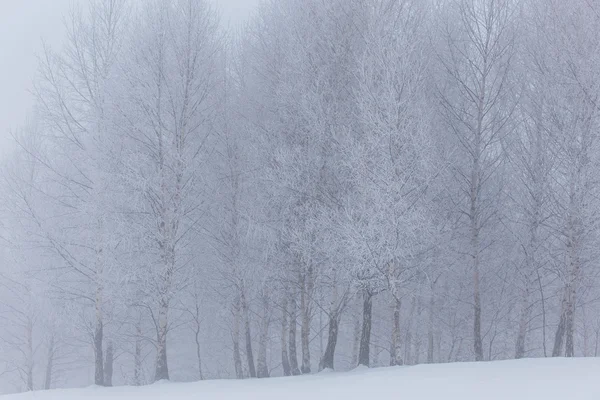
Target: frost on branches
334,184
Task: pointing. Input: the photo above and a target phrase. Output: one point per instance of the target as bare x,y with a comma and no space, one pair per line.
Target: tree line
335,184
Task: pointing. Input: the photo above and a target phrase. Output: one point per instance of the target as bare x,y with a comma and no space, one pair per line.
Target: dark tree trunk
569,329
306,316
478,342
292,344
365,338
108,364
408,346
395,356
356,339
559,336
476,248
248,336
285,361
522,333
262,369
328,356
430,328
162,368
570,305
137,359
99,354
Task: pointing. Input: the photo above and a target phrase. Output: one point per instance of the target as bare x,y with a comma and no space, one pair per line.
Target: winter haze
24,25
206,192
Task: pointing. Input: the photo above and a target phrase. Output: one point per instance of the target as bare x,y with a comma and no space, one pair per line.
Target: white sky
23,25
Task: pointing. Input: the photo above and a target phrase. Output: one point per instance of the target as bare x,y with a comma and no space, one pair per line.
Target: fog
25,25
335,184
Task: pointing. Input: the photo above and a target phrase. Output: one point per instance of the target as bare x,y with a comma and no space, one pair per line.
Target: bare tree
169,114
478,102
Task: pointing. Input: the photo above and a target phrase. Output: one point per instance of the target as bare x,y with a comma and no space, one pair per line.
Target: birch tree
387,158
478,103
74,102
570,84
169,115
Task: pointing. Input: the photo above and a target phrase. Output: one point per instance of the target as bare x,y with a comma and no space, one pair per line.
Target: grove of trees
336,183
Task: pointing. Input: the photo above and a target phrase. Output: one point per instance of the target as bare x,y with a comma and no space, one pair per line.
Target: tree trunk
327,361
543,304
560,332
474,213
285,361
395,350
531,265
523,322
108,364
98,338
262,370
409,333
167,251
162,368
320,330
566,326
248,336
137,360
586,336
198,353
30,360
417,358
99,328
375,358
305,328
570,326
430,328
571,297
49,364
293,327
365,338
478,342
356,341
237,358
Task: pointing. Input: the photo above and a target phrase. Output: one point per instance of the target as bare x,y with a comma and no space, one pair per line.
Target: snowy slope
546,379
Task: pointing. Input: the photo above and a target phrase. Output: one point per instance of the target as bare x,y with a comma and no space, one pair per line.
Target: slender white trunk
235,336
99,332
49,363
30,361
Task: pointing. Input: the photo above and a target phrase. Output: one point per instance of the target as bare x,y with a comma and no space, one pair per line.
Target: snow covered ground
546,379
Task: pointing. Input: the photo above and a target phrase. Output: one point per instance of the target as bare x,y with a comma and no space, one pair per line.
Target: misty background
295,187
25,24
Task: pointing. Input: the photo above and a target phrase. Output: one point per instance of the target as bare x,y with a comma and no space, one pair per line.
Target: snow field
546,379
